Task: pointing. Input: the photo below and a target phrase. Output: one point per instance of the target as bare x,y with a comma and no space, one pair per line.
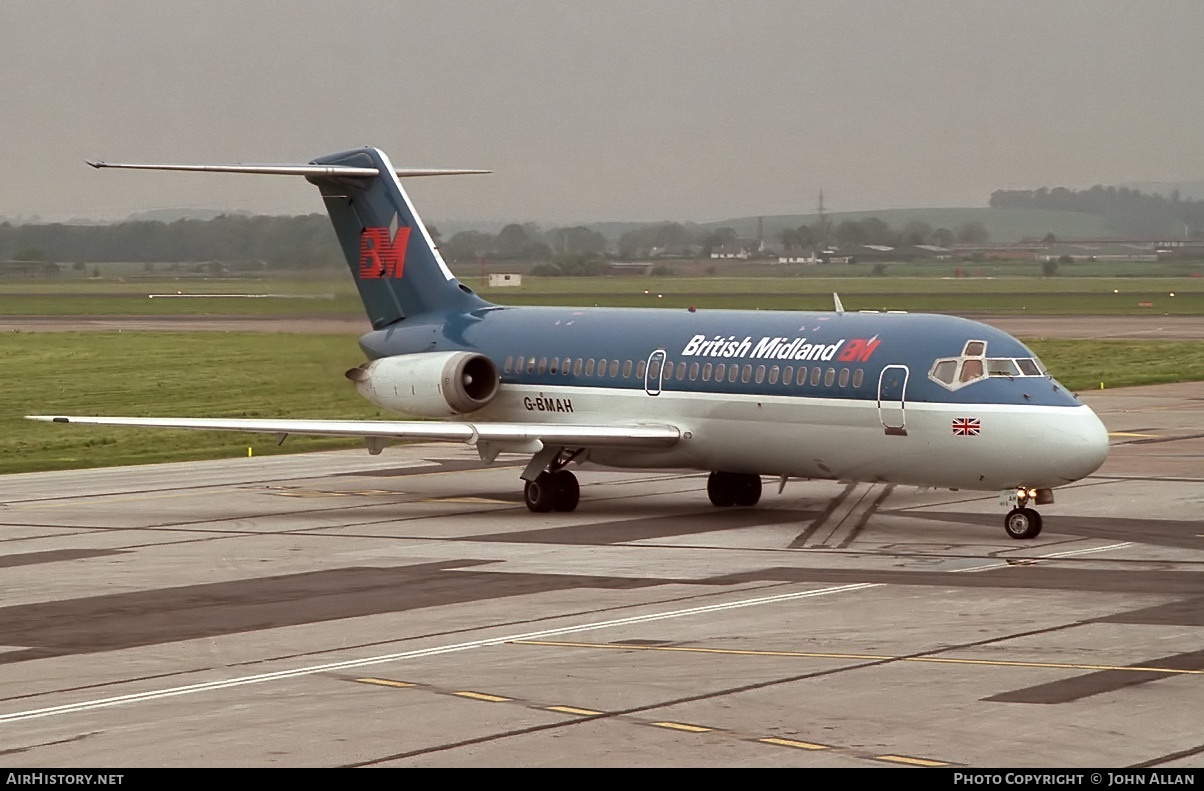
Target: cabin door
892,393
652,375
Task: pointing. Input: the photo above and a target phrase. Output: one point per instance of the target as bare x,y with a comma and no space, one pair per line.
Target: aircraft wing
487,437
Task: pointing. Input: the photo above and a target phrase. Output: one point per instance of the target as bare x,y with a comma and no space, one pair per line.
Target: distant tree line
304,242
1128,212
823,233
523,242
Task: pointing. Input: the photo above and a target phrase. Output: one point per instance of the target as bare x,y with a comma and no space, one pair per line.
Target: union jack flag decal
966,426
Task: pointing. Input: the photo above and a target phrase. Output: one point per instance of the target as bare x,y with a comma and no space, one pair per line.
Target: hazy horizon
624,111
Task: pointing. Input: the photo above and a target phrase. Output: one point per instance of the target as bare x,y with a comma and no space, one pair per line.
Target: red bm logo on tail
380,256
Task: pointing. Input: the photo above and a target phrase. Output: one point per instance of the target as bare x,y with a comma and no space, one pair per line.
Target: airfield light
1172,293
1116,291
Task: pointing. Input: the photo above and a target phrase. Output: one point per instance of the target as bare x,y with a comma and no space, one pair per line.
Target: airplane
928,400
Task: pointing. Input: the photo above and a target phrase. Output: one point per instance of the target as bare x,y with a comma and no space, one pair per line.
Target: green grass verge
335,295
300,376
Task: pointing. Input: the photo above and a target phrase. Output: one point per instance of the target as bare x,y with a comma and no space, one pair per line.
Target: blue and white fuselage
896,398
876,415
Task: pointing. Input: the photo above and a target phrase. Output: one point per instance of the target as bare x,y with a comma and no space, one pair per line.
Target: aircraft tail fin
396,266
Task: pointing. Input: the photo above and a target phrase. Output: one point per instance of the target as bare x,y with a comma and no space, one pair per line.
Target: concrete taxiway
340,609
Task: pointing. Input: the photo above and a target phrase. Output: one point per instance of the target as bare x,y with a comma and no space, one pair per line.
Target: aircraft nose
1085,444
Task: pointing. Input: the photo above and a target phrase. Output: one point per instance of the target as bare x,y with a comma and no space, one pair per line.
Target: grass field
333,295
295,375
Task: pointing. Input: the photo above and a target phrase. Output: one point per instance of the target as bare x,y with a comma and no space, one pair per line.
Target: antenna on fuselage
836,299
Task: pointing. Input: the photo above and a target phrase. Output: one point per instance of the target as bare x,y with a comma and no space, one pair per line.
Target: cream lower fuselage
840,439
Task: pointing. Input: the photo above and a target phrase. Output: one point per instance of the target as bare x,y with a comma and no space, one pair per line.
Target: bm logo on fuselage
382,256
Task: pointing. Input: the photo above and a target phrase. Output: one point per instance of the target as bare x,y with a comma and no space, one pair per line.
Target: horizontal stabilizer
308,169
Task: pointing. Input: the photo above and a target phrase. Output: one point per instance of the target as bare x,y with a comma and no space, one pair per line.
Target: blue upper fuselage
764,340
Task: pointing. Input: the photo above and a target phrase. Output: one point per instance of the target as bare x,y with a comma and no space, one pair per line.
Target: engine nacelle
429,384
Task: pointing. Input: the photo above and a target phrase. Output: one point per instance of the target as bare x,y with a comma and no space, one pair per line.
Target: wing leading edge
489,438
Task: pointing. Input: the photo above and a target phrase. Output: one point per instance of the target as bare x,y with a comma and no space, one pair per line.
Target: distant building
798,259
29,269
501,280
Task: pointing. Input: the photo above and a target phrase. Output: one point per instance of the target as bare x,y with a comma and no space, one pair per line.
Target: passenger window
509,363
589,367
639,369
733,371
518,364
564,365
693,371
577,367
543,364
602,367
844,377
816,373
858,376
706,372
720,370
773,375
554,366
614,368
531,365
746,373
654,370
760,377
788,375
627,369
830,377
668,374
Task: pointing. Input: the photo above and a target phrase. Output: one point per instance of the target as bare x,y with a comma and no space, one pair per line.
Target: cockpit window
973,365
1030,366
1002,366
944,371
971,370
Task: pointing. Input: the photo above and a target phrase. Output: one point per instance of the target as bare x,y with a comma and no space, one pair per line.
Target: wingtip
94,163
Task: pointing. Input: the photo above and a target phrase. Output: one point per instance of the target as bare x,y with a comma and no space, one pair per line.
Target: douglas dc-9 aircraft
925,400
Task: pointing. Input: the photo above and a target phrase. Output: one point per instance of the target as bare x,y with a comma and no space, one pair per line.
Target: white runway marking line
260,678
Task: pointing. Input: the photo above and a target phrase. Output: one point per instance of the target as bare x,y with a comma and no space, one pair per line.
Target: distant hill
171,215
1003,225
1188,190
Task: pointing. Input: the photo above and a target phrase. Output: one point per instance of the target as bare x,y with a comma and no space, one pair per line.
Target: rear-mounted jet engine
431,384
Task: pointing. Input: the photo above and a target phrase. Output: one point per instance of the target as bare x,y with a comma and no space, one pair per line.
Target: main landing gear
1023,522
733,488
554,489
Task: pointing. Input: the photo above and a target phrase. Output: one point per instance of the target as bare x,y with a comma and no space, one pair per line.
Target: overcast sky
645,110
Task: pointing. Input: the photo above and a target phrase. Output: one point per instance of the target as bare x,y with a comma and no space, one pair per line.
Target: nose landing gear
1023,522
